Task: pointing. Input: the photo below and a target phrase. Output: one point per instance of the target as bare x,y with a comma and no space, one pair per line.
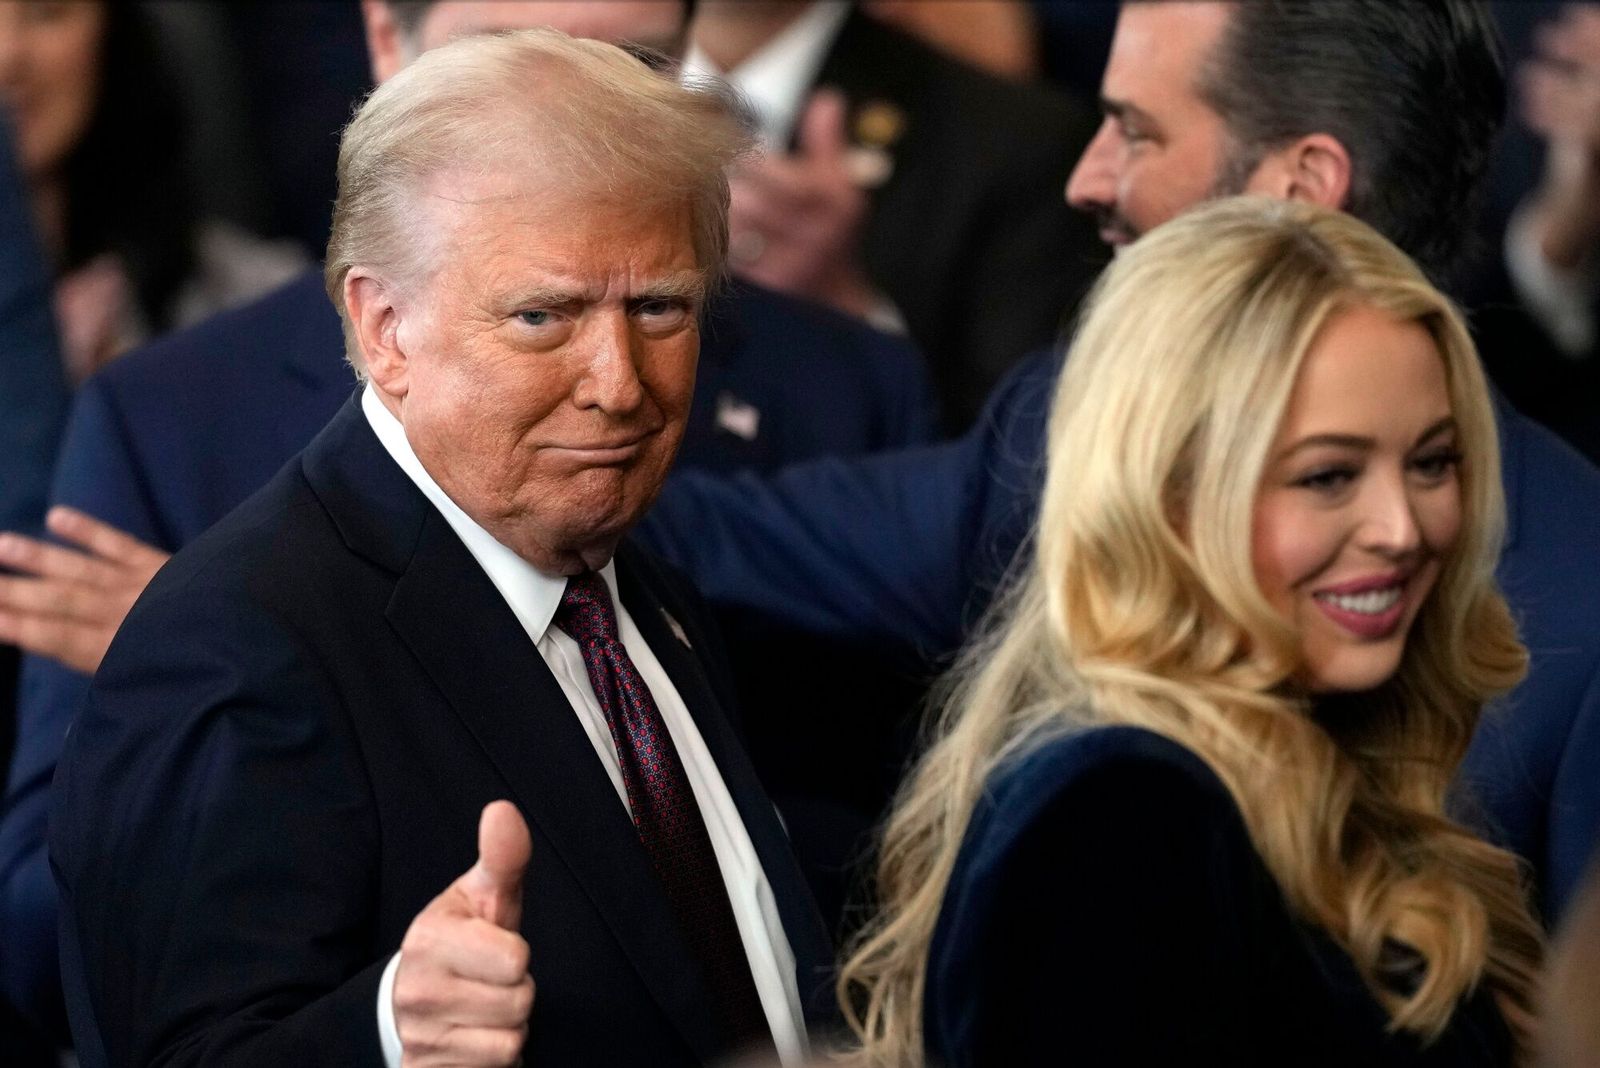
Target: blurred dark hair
1415,90
408,14
127,182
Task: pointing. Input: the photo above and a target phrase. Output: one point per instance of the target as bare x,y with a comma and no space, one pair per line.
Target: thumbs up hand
462,992
794,220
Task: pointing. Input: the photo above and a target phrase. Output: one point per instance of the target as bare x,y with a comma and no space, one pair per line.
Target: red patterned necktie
663,806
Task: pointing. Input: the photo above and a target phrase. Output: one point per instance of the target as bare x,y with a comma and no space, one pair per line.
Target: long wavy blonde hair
1139,605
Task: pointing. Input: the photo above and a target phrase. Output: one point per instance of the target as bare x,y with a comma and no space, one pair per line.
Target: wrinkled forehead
465,216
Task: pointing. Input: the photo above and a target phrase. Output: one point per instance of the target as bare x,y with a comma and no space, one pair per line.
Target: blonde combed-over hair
579,119
1139,605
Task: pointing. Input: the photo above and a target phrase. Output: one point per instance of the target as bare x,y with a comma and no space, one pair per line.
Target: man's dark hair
1414,90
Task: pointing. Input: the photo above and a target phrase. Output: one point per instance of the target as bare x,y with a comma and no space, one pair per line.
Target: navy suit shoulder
1532,775
783,380
903,547
226,403
1108,906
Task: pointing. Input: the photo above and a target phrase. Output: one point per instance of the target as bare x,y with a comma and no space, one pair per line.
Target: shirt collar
776,78
532,595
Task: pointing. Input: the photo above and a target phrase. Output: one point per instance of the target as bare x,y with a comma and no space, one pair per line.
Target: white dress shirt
776,78
1561,301
533,598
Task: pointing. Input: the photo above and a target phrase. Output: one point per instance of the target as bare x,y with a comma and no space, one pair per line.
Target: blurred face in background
49,76
1361,498
655,24
1161,148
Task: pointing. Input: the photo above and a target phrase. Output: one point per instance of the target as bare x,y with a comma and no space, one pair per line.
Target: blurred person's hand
67,604
794,221
1561,101
462,993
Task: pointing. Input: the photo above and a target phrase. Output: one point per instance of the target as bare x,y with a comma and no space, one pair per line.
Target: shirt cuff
388,1032
1560,301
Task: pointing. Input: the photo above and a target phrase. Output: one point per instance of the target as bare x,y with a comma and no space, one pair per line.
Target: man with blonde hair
412,724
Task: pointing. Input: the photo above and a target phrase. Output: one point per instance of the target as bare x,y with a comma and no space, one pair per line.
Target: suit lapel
808,938
452,618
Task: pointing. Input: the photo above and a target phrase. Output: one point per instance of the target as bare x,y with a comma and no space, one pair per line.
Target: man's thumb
494,884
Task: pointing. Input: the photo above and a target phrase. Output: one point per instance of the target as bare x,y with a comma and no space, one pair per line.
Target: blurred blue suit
913,545
167,440
33,409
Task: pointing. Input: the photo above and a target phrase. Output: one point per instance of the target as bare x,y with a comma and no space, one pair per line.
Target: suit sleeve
98,473
1114,906
1574,819
902,548
33,386
214,840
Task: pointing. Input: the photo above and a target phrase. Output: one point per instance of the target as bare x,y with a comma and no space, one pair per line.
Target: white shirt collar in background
776,79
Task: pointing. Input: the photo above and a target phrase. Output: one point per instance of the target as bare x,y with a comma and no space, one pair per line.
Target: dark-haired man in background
1206,99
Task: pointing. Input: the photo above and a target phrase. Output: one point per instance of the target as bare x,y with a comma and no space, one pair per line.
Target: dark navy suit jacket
33,410
282,760
168,439
912,545
1157,936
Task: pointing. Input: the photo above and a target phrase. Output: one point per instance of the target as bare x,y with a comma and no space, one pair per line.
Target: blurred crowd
936,197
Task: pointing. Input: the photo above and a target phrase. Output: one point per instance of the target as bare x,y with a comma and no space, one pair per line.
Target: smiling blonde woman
1186,800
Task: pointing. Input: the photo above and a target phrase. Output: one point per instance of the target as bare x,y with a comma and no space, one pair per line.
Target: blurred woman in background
100,129
1186,801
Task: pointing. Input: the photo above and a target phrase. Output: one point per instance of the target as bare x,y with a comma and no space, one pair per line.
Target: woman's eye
1437,465
1327,479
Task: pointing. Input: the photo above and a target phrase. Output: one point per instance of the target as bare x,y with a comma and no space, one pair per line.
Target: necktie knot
586,612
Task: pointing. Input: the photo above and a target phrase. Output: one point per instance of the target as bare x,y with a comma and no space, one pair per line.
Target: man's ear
375,316
385,46
1314,168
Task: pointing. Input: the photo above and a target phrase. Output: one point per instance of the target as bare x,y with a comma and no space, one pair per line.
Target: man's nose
1093,182
610,378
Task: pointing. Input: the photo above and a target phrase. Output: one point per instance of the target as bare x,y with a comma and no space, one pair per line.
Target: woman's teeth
1371,603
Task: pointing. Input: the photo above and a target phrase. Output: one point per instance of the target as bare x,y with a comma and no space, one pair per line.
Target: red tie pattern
663,806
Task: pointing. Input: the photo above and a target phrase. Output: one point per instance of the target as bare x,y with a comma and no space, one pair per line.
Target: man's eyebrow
1122,109
687,285
682,285
544,297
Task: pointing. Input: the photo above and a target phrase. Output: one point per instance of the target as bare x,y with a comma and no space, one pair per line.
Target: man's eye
535,317
661,310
